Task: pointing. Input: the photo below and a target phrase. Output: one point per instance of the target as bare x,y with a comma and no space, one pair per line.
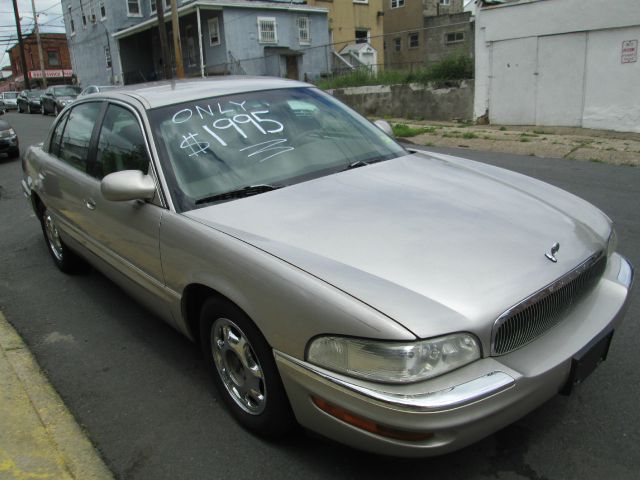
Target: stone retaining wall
412,101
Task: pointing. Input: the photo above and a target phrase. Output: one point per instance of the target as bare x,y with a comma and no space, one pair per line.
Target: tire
243,369
19,109
56,110
43,110
29,111
65,259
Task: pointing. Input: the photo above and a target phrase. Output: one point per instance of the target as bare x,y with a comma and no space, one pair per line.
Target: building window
397,44
103,10
304,37
267,30
133,8
92,13
454,37
414,40
53,58
362,35
214,31
107,55
445,2
397,3
72,26
167,5
84,15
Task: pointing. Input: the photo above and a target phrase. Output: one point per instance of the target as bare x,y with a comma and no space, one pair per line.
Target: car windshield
257,141
10,95
34,93
68,90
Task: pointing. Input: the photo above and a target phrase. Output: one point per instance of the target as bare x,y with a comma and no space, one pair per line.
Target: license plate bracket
587,359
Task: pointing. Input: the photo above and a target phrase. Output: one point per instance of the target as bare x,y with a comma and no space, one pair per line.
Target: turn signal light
368,425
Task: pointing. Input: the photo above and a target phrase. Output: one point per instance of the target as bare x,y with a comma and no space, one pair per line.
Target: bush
458,67
403,130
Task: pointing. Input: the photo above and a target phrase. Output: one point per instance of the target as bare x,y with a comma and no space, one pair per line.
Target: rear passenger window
121,145
74,147
54,146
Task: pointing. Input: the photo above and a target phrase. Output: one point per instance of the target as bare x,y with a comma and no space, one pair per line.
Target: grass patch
457,67
503,129
469,135
428,144
525,139
403,130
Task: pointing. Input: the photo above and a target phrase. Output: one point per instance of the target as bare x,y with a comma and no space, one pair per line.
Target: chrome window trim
540,294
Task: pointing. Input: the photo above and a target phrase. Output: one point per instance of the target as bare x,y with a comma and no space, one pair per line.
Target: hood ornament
552,254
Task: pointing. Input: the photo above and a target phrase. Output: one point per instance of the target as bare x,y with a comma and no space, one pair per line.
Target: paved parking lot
141,393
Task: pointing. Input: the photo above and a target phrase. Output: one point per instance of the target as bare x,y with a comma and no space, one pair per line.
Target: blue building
117,41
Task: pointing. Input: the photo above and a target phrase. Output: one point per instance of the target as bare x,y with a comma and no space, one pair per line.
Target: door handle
90,204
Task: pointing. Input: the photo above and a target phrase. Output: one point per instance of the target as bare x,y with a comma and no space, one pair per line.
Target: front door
292,67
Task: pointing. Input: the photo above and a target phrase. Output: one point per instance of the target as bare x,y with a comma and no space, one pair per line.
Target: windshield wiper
356,164
239,193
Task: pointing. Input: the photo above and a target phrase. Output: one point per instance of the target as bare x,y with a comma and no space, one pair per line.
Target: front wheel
29,109
244,370
65,259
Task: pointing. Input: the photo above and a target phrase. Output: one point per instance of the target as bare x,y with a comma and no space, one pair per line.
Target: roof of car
169,92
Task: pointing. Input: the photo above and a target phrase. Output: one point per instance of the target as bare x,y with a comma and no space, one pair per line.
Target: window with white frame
397,44
363,35
133,8
304,37
397,3
154,7
214,31
103,10
445,2
267,30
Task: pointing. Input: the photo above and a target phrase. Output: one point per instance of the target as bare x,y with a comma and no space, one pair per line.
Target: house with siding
118,41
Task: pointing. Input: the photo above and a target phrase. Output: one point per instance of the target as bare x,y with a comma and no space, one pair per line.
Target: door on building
292,67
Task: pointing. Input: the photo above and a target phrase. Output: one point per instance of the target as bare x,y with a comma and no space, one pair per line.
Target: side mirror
127,185
384,126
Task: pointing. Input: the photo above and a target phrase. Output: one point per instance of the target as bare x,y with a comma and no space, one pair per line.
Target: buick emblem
552,254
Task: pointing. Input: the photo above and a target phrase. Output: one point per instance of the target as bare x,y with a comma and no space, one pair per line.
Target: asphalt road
144,398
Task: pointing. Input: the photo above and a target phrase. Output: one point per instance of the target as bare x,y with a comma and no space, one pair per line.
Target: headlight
7,133
393,362
612,243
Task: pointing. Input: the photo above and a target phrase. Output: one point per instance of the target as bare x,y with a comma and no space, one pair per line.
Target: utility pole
164,45
177,47
23,59
35,19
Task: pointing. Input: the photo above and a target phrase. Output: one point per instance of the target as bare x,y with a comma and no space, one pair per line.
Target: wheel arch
193,297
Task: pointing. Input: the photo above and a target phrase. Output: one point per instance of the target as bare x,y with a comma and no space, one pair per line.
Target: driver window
121,145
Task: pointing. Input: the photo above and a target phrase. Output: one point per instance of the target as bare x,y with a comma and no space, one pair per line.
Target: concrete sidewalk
39,438
602,146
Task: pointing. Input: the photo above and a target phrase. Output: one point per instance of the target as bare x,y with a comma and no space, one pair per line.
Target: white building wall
558,63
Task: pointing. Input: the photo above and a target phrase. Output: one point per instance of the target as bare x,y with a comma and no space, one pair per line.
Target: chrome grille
544,309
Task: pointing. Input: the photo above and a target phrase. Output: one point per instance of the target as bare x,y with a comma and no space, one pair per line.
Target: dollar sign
196,147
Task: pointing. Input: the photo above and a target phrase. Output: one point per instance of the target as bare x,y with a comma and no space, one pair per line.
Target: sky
49,17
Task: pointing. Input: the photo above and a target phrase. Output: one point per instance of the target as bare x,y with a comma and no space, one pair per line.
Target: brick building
55,53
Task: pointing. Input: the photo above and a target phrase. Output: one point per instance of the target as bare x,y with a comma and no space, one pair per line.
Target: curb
40,438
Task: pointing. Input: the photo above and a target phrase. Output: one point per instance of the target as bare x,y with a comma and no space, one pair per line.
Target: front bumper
468,404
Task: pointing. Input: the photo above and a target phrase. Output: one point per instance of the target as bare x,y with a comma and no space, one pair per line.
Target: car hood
436,243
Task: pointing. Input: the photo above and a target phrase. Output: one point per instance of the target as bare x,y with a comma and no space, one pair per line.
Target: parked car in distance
56,98
3,108
29,101
401,302
9,145
9,99
97,89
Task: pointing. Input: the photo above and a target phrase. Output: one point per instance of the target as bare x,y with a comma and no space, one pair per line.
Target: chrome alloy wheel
238,366
53,238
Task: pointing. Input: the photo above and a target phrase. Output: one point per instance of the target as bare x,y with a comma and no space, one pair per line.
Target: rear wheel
244,370
65,259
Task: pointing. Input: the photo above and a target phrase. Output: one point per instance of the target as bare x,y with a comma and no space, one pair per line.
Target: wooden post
164,45
177,46
23,59
37,29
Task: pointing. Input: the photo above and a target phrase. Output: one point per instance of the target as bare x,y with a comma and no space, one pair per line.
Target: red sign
629,51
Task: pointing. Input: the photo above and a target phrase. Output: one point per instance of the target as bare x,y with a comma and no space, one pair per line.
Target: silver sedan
399,302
